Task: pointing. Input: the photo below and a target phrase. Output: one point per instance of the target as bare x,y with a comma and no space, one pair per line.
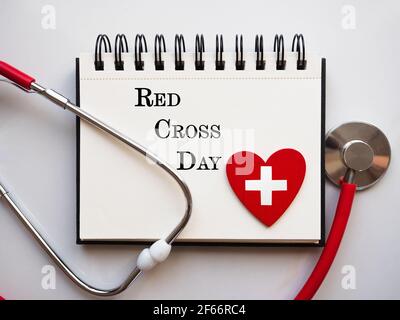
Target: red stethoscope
357,155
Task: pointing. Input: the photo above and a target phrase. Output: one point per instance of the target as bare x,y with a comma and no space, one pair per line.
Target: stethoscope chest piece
360,147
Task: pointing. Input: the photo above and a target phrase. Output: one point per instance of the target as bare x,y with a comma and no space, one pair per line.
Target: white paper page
125,197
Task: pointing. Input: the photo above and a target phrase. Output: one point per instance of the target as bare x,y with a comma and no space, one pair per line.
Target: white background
37,145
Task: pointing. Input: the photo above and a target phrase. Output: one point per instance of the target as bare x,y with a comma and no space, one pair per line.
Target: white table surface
37,146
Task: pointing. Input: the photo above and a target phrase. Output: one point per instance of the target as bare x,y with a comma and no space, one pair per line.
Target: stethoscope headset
356,156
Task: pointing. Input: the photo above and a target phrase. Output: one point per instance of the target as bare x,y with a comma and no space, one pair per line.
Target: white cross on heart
266,185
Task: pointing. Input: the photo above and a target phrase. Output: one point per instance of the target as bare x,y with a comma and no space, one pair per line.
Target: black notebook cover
321,243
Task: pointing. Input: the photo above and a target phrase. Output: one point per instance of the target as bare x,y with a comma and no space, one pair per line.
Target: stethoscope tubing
316,277
342,214
28,83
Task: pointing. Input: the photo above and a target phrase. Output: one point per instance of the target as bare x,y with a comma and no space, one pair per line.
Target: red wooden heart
266,188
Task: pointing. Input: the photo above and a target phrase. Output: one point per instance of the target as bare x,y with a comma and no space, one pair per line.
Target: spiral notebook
244,129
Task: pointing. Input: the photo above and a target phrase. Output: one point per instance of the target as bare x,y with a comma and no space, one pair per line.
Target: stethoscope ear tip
359,150
16,76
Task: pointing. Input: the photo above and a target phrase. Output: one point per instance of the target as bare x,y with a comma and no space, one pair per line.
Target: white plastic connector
150,257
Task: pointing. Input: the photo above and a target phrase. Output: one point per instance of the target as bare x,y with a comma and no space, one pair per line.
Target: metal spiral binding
298,43
159,47
279,48
259,48
121,45
219,50
101,39
140,47
240,63
179,47
199,50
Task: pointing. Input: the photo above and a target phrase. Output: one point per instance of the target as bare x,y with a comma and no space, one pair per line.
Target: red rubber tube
325,261
16,75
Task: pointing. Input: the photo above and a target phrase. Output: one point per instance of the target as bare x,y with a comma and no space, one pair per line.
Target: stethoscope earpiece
358,149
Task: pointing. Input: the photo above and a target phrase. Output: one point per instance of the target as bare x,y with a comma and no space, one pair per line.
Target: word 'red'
147,98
